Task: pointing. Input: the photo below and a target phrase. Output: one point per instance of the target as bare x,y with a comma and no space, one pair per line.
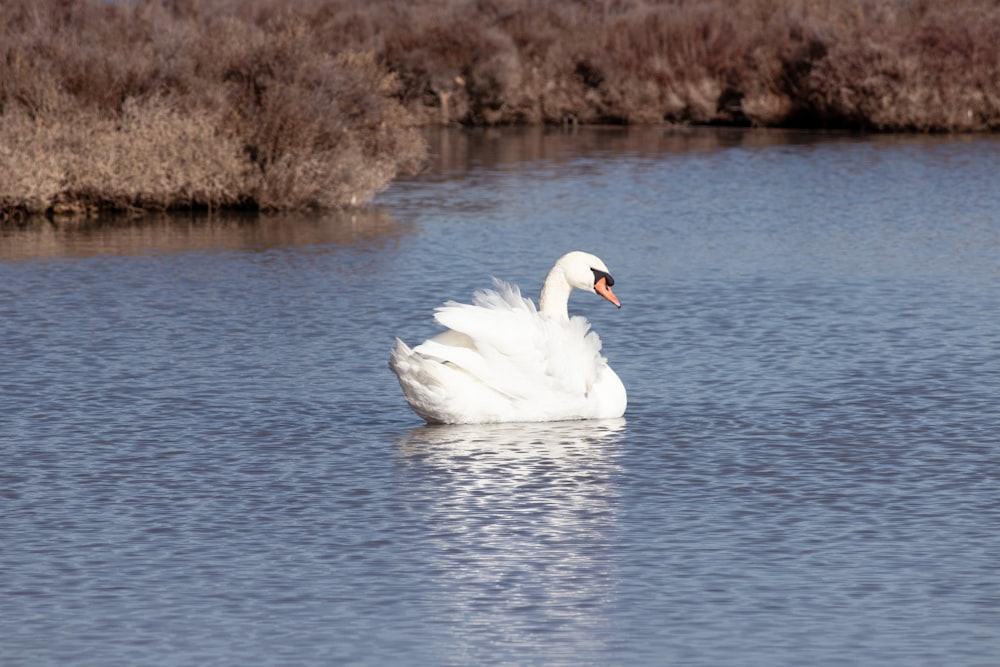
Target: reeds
291,104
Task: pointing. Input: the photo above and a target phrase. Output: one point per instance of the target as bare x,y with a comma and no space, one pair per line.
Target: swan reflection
512,440
516,517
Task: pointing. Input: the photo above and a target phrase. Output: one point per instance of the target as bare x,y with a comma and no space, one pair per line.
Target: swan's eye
598,274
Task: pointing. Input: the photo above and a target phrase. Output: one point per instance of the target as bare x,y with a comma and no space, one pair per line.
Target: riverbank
269,105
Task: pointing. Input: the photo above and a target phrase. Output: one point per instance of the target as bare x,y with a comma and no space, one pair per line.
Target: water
206,460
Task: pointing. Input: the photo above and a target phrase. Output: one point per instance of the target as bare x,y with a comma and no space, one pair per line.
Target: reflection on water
465,154
171,233
499,148
514,441
526,516
540,464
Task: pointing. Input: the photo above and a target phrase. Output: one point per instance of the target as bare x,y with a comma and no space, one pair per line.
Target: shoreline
207,105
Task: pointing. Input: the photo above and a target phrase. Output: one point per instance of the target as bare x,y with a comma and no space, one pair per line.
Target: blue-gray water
206,461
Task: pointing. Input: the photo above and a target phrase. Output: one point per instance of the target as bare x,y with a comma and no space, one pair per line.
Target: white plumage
503,360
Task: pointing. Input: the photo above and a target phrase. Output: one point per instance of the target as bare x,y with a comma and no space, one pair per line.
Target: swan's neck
554,300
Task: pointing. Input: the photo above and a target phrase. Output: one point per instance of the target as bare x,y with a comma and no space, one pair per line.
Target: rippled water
206,460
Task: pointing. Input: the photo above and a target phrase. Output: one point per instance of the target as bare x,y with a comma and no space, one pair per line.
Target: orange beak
601,287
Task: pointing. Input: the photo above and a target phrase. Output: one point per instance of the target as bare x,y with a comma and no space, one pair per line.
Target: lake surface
206,460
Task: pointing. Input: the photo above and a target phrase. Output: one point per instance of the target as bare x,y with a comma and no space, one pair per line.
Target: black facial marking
598,274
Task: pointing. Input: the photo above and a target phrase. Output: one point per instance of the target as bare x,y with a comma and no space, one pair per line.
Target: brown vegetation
146,105
884,65
289,104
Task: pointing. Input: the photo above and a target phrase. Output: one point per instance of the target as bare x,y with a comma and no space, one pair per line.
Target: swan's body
503,360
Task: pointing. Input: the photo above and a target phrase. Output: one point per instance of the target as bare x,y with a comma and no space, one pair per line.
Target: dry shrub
322,129
467,69
686,54
195,104
31,173
327,136
896,65
938,72
153,157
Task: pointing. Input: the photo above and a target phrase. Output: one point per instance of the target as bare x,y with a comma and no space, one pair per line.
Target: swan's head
588,273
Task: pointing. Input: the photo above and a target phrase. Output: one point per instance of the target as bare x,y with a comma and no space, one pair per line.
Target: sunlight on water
207,460
526,516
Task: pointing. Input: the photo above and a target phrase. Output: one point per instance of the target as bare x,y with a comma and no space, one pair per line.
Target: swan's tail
442,391
420,381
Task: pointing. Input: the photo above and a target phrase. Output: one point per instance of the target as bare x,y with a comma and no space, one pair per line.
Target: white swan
501,360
